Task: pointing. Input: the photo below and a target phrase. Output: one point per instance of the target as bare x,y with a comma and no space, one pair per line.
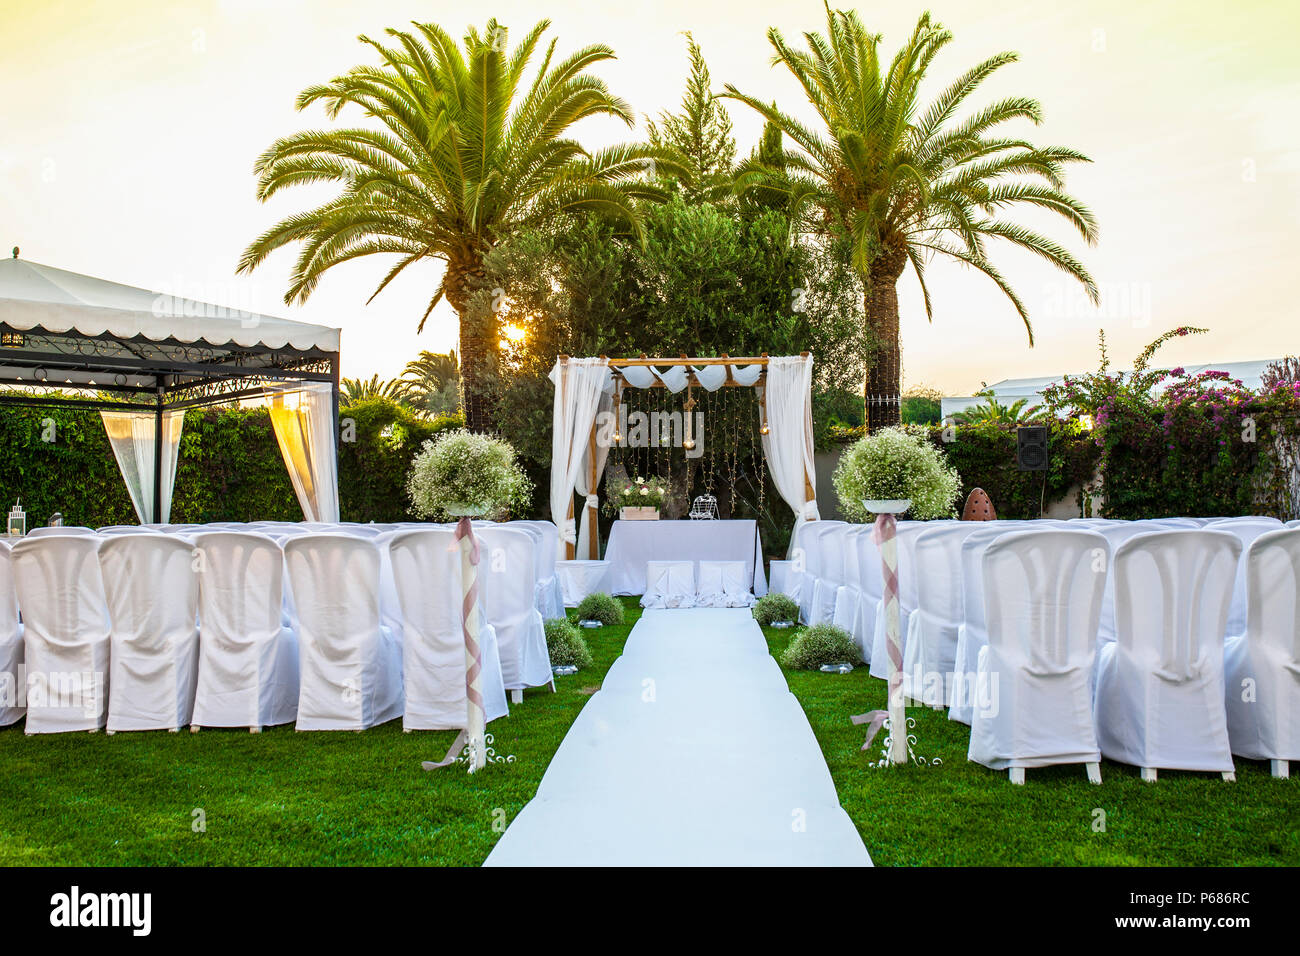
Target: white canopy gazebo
142,358
586,387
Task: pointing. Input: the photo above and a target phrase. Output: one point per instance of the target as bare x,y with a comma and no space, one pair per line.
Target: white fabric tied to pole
303,420
132,434
884,533
579,385
788,445
585,487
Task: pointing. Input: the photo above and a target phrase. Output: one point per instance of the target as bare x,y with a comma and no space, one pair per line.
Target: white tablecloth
633,543
580,578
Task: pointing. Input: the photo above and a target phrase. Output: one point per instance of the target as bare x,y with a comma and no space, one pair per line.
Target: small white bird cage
704,508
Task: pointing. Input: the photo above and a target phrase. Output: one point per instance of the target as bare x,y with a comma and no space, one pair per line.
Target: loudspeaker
1031,448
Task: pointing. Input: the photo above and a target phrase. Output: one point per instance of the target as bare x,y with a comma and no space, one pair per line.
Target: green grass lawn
961,814
286,798
280,797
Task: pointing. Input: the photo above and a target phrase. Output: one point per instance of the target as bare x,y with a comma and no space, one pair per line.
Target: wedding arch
588,391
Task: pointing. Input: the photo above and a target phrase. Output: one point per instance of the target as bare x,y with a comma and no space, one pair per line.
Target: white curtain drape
788,445
132,436
588,547
303,419
579,386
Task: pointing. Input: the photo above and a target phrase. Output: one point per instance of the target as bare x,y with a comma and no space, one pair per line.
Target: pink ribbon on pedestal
475,716
884,531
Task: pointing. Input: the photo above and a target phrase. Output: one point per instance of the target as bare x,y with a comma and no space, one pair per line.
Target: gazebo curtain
579,387
303,420
788,444
587,532
133,439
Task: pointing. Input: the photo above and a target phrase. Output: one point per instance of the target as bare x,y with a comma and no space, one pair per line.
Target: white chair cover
127,529
1160,693
550,599
153,603
930,647
722,584
848,596
13,689
1042,595
669,584
1263,664
1116,533
248,656
65,632
426,570
808,552
871,586
1246,531
971,632
351,664
62,531
830,572
507,557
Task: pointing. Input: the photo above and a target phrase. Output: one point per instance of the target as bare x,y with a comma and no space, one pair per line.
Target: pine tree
701,134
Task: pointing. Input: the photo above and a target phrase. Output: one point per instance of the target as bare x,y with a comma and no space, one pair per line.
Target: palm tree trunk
882,398
478,346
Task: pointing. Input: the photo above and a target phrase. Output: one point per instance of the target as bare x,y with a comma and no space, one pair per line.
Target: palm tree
993,412
905,182
462,156
357,390
430,383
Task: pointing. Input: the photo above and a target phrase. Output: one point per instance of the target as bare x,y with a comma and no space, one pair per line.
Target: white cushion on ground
669,584
722,584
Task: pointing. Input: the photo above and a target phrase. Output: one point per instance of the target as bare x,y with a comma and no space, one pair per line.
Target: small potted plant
892,471
638,498
459,473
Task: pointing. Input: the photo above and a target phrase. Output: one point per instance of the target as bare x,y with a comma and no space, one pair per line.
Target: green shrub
775,607
984,454
896,463
566,644
600,607
818,645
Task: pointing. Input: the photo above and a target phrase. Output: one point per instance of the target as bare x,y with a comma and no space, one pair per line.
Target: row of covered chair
329,626
1207,607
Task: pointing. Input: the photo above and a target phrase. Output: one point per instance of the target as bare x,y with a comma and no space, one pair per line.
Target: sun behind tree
463,155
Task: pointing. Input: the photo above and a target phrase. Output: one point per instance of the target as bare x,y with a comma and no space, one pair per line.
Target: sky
129,129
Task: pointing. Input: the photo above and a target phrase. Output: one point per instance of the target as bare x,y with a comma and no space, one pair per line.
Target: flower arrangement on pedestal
637,497
462,473
896,464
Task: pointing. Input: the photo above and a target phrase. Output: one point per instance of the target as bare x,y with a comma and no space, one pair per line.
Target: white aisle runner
694,752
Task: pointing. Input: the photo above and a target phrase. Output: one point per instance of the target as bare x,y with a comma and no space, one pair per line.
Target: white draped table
633,543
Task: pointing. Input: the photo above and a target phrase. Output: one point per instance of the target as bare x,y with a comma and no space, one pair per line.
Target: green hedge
984,454
229,466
